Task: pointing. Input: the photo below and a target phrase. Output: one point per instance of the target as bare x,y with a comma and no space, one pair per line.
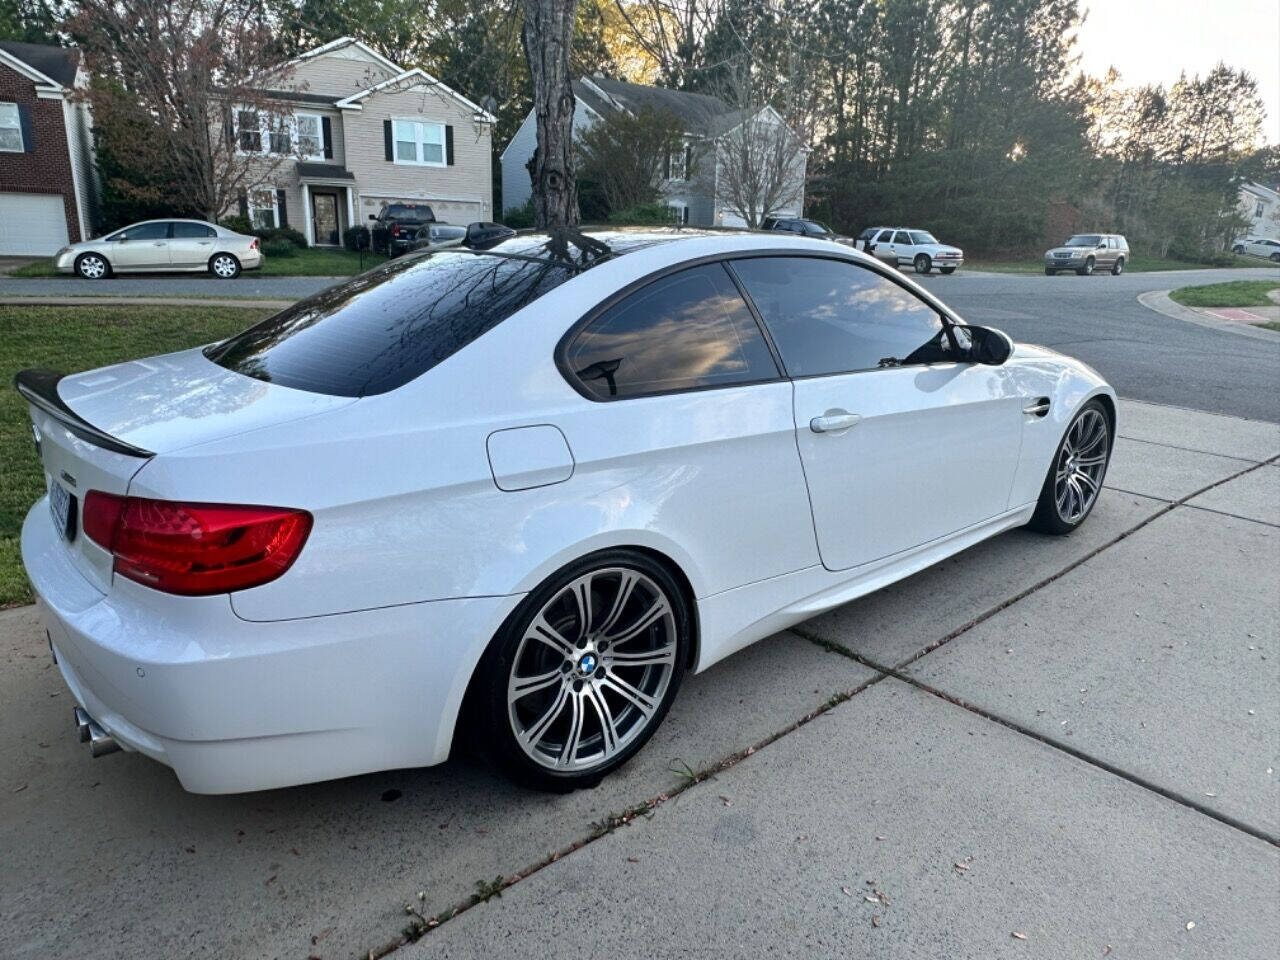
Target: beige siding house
354,131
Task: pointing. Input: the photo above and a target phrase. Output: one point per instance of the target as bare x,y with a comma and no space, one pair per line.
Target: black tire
496,716
1046,518
947,270
1238,248
1087,269
1118,267
92,266
1050,272
922,263
224,266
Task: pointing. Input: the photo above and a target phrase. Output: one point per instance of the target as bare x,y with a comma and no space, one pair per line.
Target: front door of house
324,218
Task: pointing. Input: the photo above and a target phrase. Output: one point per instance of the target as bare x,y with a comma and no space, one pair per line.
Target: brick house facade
47,189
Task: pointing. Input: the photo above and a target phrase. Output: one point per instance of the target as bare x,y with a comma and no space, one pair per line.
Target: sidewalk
1044,736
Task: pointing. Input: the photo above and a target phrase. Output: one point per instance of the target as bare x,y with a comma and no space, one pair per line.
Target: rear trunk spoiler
40,389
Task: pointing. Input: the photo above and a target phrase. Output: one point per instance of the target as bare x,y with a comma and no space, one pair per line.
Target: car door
190,244
145,246
689,399
903,441
884,247
904,250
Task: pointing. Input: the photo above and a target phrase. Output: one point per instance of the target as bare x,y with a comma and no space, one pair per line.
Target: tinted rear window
409,211
383,328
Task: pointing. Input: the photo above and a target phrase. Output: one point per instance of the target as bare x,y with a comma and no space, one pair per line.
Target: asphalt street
1145,355
1050,747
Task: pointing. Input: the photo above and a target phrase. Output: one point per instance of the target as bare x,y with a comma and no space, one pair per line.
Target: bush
279,247
356,238
287,234
237,223
652,214
519,218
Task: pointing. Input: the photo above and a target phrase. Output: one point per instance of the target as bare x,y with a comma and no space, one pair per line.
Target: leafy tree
625,155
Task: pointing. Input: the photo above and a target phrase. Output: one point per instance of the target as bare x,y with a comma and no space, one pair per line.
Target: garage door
32,223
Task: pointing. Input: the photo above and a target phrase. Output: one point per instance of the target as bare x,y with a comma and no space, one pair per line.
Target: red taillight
395,229
253,244
195,548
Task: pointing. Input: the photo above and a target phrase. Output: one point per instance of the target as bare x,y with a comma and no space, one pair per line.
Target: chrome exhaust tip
101,743
82,723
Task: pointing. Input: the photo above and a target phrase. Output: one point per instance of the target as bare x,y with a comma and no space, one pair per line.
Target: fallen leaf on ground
726,801
846,891
1018,936
20,789
875,920
1191,924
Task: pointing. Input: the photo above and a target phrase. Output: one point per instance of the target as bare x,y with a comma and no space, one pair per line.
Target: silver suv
1086,252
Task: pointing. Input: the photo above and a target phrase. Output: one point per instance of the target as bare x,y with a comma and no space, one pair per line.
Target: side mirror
987,346
1102,246
373,216
122,238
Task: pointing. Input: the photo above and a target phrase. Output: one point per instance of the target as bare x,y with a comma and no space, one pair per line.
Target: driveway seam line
423,925
1174,446
1178,406
1079,754
1135,493
1168,507
1233,516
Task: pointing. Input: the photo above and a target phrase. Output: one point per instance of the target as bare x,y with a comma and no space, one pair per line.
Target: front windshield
815,229
922,236
1084,240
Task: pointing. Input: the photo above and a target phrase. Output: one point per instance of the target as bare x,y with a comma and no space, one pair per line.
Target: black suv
395,227
805,228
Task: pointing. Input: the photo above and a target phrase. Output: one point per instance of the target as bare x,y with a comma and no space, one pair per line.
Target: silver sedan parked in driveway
161,245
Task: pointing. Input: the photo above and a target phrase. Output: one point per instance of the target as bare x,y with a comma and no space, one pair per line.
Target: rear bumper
234,706
251,260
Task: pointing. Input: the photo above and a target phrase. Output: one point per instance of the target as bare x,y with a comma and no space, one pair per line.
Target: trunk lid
96,430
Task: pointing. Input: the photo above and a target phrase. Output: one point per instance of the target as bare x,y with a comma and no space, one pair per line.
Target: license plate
63,506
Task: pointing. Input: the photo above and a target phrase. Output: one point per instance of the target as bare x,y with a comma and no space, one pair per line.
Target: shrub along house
355,130
47,179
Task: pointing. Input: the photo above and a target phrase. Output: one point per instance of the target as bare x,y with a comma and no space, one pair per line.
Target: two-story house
691,179
352,130
48,190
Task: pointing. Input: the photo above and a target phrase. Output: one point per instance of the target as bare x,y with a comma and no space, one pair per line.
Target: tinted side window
690,329
387,326
902,237
192,231
148,231
885,236
829,316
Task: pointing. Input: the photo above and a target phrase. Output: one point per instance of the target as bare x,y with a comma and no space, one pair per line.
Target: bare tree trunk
548,38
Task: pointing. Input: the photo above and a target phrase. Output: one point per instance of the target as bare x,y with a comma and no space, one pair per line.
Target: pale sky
1153,41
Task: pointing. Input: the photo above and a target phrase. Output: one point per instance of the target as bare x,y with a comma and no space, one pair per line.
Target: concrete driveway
1072,741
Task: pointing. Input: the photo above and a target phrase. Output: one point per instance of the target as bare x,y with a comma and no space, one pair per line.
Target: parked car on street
477,236
1258,247
521,492
396,226
806,228
1086,252
903,247
155,246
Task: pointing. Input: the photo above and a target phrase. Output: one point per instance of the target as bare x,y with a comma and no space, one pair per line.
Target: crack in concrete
1174,446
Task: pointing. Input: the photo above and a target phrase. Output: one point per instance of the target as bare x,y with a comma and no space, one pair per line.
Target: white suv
903,247
1259,247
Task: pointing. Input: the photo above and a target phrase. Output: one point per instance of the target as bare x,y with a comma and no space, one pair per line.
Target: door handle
833,421
159,243
1038,407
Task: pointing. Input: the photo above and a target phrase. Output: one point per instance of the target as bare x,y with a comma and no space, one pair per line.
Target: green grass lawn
1239,293
71,339
311,262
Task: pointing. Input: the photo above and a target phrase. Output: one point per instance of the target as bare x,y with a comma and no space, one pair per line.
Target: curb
1158,301
142,302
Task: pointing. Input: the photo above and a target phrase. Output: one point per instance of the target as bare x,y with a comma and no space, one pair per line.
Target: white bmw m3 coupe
519,493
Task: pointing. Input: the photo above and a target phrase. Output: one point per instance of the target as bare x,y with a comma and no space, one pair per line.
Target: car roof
580,249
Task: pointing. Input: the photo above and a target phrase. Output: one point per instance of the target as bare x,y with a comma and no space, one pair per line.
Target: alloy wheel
1080,467
92,267
592,669
224,267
